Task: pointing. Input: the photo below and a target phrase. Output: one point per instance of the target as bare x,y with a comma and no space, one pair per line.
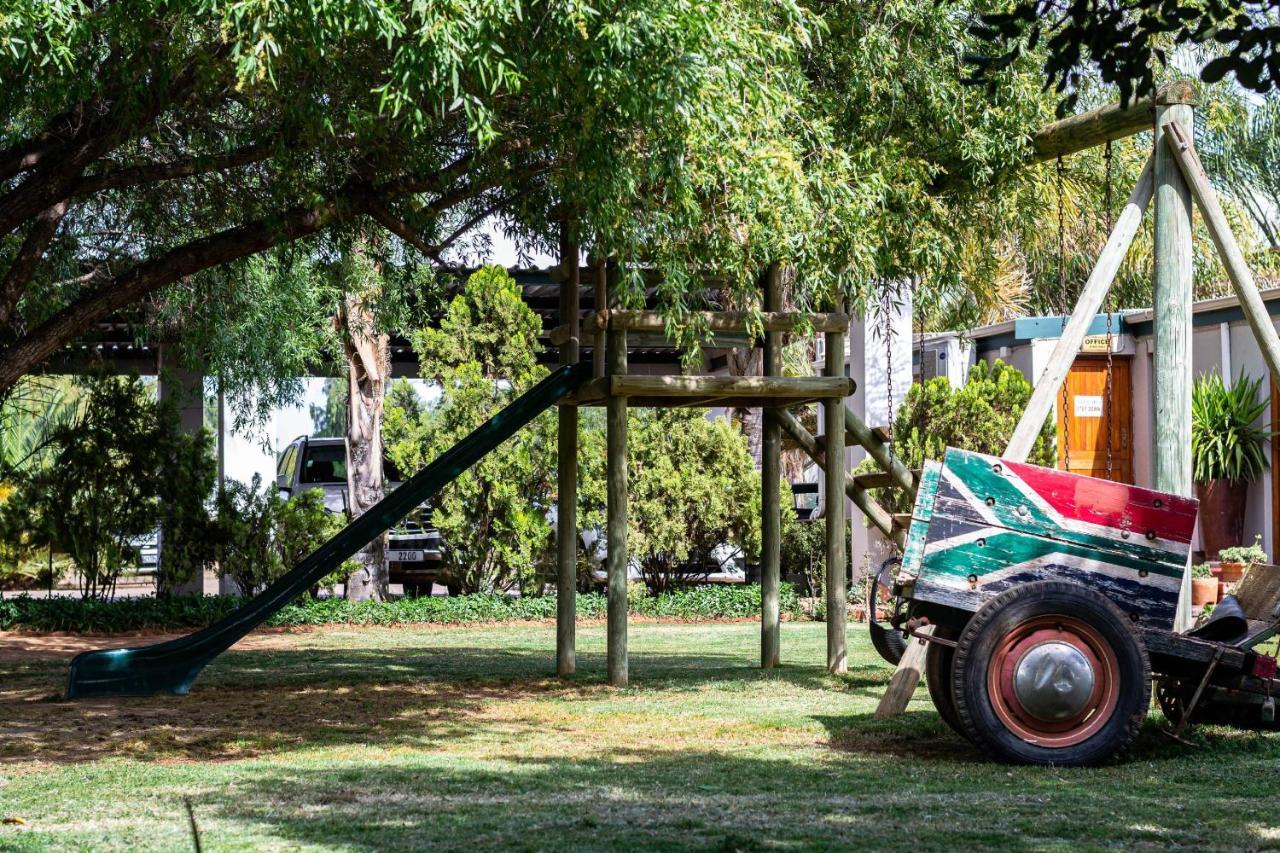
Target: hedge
149,614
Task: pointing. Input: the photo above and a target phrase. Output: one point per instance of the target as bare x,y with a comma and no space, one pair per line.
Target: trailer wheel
937,677
1051,673
889,642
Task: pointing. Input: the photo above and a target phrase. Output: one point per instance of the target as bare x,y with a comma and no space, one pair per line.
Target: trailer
1051,600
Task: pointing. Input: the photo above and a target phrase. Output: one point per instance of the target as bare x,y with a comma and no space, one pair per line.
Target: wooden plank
880,480
791,424
1259,592
1184,648
877,448
1173,296
770,486
837,595
732,321
876,514
902,520
567,474
1092,295
773,389
1096,127
905,679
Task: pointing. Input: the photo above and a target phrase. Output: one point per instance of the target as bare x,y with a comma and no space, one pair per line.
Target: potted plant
1227,453
1204,586
1234,562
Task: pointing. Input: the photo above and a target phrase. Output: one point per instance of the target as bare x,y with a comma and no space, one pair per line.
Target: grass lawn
461,738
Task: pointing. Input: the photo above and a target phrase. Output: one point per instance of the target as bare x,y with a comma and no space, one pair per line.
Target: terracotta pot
1222,504
1204,591
1231,572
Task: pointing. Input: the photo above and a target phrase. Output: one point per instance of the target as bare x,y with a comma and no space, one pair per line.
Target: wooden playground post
567,472
1172,305
770,481
1172,316
600,292
616,528
833,426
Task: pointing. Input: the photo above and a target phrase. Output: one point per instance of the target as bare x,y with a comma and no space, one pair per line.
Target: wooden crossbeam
733,321
1097,127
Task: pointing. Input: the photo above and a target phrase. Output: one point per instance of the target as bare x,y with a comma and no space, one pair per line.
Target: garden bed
184,613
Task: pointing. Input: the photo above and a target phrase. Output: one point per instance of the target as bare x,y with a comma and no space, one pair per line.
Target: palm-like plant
35,408
1243,159
1226,441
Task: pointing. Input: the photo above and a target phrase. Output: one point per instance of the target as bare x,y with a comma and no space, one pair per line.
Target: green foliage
482,355
691,486
175,613
684,137
980,417
330,420
1248,554
114,474
260,537
1226,441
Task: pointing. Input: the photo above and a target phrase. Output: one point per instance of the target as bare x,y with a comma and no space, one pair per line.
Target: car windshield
325,464
328,464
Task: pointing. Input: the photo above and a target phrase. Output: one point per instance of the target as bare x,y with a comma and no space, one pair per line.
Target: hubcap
1053,681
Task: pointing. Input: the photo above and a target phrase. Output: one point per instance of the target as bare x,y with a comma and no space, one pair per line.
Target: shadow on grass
262,701
699,799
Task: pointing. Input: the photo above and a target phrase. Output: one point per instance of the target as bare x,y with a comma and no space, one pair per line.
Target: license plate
405,556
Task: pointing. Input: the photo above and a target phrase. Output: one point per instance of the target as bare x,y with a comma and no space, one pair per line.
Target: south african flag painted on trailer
982,524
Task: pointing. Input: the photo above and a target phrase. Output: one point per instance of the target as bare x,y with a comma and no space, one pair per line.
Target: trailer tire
1051,673
937,677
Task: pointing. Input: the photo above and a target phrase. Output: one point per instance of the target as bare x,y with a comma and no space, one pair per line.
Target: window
325,464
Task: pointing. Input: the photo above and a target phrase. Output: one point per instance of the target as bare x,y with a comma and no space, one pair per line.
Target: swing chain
1062,296
1108,398
886,326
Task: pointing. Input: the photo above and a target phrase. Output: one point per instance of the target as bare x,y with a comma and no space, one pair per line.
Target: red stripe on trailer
1116,505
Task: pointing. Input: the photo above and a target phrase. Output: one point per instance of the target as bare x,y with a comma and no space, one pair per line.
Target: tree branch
155,172
18,276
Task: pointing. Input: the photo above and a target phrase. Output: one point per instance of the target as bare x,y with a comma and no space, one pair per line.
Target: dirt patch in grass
19,647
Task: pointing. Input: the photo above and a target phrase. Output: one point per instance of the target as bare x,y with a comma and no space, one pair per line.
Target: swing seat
1251,615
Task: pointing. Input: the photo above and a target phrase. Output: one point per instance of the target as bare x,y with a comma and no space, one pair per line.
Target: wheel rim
1054,681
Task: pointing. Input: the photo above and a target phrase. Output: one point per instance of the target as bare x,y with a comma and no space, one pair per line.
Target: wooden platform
684,391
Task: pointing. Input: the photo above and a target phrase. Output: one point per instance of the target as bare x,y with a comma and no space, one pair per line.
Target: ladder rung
902,519
879,480
882,433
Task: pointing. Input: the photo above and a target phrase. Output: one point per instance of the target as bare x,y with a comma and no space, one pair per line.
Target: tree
330,419
980,416
492,518
692,487
1124,41
109,473
146,145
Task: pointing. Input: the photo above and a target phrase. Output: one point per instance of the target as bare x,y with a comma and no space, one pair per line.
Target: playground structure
1044,600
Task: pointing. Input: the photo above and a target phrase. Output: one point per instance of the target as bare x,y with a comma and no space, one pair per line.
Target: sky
245,455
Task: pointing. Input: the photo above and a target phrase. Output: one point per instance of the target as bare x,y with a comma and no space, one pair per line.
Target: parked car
413,546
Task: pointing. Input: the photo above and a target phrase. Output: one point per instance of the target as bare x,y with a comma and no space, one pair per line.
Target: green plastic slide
172,666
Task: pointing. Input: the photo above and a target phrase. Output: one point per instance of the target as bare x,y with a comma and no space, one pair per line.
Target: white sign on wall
1088,406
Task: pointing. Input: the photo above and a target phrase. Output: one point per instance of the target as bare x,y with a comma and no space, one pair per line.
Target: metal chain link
886,306
1107,399
1062,296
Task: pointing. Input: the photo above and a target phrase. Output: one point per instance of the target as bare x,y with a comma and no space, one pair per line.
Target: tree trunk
749,362
368,369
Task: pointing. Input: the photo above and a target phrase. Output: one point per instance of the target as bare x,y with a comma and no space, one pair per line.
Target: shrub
260,537
980,416
185,613
119,469
1226,442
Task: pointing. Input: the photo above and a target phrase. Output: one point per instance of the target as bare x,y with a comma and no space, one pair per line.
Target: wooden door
1084,448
